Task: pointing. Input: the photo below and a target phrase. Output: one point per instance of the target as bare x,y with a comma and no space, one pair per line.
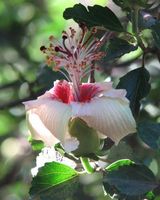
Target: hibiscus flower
103,108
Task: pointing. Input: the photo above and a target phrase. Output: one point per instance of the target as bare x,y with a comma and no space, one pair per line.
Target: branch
13,174
12,84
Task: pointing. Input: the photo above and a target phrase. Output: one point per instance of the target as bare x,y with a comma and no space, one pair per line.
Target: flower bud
88,138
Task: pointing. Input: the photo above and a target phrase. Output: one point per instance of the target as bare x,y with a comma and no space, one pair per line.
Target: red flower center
63,91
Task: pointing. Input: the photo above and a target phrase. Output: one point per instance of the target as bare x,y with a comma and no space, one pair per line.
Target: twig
18,101
9,85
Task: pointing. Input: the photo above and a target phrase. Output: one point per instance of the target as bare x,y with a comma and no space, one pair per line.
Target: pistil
76,56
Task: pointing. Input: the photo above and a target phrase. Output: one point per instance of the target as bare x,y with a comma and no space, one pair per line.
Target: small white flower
49,155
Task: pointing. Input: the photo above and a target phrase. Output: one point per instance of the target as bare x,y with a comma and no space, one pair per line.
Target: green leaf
119,163
136,82
51,177
120,151
150,196
116,48
147,21
130,4
156,34
123,3
64,191
95,16
149,133
130,179
37,145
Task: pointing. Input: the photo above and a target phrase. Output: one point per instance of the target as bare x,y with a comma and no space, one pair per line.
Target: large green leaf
129,179
53,178
116,48
149,132
136,82
95,16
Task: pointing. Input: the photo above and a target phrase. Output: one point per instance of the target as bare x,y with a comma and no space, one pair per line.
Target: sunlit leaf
53,177
37,145
119,163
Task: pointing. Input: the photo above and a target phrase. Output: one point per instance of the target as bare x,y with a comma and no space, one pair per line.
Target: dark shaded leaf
51,177
130,179
129,4
116,48
123,3
149,133
120,151
156,34
136,82
95,16
63,191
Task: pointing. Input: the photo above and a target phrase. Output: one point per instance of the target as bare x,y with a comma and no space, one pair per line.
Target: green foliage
120,151
125,4
94,16
147,21
80,130
51,177
129,179
37,145
136,83
119,163
149,133
116,48
156,34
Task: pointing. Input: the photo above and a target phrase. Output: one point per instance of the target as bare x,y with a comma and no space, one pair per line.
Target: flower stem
86,165
135,29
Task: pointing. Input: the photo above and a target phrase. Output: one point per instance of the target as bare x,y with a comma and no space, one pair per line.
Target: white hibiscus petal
116,93
111,116
54,115
38,129
104,86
